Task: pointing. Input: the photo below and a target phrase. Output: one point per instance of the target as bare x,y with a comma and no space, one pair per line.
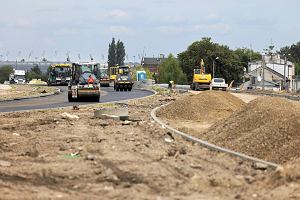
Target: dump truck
59,74
123,81
218,84
85,82
201,80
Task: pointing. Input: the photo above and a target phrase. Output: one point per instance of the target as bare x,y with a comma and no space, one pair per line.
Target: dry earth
18,91
45,156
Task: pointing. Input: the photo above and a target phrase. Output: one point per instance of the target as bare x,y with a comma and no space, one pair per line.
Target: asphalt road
61,100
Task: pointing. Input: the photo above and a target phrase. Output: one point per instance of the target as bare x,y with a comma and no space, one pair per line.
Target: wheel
129,89
97,99
70,98
125,89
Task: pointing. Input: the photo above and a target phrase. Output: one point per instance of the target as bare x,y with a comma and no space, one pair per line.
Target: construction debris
69,116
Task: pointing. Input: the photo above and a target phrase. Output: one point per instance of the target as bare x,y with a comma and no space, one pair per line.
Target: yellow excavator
201,80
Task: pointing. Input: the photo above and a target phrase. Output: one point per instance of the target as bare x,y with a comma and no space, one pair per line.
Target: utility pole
284,72
263,72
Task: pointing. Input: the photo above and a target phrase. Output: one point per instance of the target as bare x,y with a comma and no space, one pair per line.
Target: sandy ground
44,156
17,91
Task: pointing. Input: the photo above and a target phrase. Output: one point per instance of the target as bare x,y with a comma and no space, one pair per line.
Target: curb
290,97
209,145
58,91
71,106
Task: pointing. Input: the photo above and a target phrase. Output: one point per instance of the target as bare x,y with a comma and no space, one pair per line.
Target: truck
80,87
123,81
104,76
59,74
201,80
218,84
17,77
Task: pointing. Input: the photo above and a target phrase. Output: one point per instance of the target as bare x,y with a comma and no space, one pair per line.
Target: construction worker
171,85
90,80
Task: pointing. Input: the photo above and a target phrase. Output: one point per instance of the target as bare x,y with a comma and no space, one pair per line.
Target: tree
293,54
228,66
112,53
169,70
120,53
36,73
5,71
246,55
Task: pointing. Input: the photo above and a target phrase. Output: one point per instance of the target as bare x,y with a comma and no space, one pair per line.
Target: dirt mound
206,106
267,128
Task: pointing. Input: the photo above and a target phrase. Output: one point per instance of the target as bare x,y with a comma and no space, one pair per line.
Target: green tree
228,65
5,71
36,73
149,75
112,53
293,54
169,70
120,53
246,55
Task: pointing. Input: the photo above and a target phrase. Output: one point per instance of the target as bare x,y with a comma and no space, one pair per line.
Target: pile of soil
206,106
267,128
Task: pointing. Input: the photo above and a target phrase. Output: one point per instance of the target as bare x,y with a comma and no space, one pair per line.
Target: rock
64,147
104,123
4,163
260,166
16,134
69,116
90,157
249,179
168,140
126,123
75,108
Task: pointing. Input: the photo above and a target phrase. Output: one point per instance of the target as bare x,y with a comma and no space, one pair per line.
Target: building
152,63
276,71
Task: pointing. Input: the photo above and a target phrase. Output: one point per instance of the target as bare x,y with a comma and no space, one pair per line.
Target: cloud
171,29
119,30
218,28
115,14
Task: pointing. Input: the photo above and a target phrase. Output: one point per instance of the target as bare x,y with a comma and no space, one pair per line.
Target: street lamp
217,58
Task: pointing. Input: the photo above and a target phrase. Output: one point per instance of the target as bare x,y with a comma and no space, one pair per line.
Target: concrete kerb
58,91
89,105
209,145
290,97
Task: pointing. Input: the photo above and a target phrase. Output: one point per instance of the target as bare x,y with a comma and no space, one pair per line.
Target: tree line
229,64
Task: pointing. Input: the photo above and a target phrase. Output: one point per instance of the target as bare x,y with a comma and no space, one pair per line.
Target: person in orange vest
90,80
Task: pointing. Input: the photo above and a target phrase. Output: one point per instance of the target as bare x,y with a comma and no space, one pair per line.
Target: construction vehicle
59,74
123,81
18,77
113,73
218,84
80,87
104,76
201,80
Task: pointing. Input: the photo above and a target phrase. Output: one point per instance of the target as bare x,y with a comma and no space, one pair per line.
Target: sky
33,29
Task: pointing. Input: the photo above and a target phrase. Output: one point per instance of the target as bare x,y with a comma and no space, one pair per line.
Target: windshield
20,77
61,72
103,72
84,71
219,80
124,70
197,71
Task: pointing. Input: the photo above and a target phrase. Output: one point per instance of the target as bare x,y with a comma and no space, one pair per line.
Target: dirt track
43,156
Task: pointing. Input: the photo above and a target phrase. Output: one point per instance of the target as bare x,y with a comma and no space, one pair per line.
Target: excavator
201,80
